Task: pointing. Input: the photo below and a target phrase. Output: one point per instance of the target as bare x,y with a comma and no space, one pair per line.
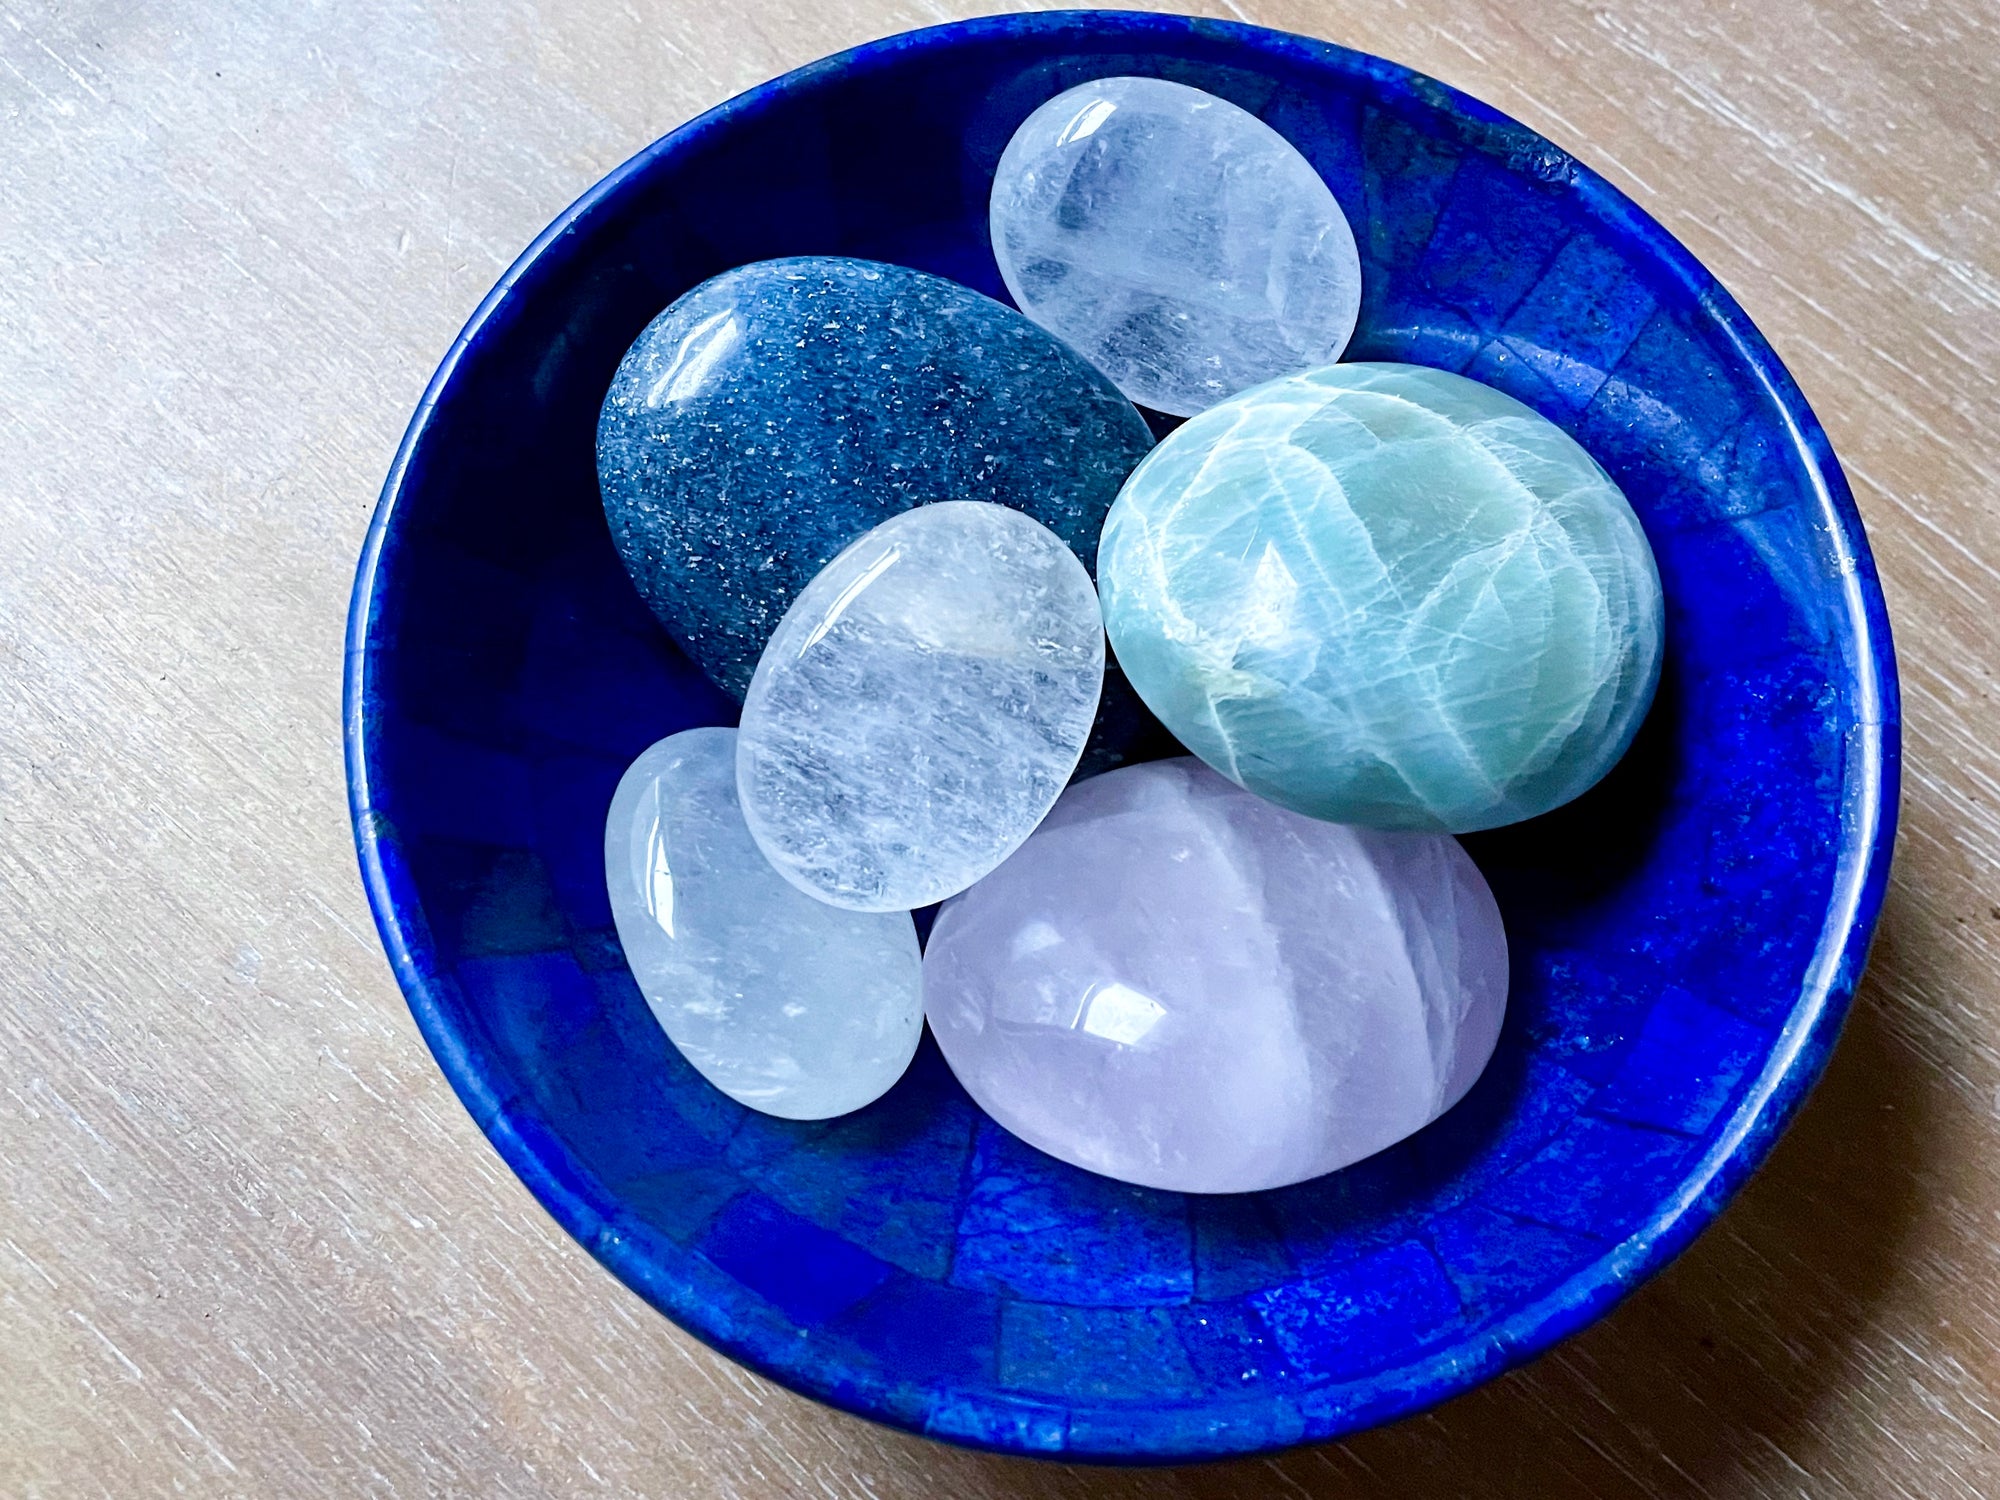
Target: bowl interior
1684,939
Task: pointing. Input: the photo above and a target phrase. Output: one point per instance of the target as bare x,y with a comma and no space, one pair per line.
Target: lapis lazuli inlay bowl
1685,938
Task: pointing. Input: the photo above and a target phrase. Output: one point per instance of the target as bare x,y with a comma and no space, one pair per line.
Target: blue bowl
1685,939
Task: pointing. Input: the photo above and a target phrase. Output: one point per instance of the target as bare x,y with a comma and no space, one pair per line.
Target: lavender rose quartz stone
1176,983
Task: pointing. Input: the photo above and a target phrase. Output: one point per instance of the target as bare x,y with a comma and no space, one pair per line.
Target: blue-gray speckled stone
779,410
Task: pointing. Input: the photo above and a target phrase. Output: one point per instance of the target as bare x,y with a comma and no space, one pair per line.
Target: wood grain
249,1243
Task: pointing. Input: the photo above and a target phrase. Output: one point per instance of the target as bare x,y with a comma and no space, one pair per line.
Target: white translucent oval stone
1178,242
920,706
784,1003
1179,984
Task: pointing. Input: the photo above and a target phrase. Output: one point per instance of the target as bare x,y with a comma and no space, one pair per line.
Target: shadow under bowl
1685,939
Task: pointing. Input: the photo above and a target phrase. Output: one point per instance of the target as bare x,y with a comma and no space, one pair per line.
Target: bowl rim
1870,798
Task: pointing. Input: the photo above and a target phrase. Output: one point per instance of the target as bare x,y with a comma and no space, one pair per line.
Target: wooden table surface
249,1242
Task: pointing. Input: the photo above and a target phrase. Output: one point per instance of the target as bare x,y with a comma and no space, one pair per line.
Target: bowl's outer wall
1685,938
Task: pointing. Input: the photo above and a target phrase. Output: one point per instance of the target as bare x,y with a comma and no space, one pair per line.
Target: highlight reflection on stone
1388,595
1178,984
1183,245
920,706
784,1003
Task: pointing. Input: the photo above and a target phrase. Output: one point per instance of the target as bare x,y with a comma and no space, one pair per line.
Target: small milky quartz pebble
784,1003
920,706
1385,594
1177,984
1178,242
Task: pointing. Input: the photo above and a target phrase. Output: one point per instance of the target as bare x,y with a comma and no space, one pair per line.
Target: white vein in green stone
1388,595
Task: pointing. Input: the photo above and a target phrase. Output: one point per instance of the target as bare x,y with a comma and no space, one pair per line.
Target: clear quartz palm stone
1178,242
1387,595
920,706
1181,985
784,1003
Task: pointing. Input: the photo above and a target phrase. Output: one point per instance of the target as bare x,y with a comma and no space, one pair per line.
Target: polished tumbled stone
1388,595
779,410
784,1003
1178,984
1178,241
920,706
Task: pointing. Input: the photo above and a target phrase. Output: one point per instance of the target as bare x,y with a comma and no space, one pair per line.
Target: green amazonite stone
1386,595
